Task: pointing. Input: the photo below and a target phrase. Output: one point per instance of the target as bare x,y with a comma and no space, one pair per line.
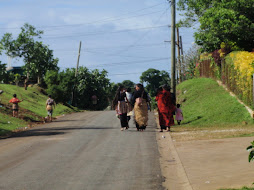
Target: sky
124,37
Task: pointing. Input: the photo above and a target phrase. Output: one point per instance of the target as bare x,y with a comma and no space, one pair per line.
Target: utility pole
173,66
76,74
179,59
181,48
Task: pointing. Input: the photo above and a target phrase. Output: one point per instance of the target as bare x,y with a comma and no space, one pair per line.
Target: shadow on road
53,131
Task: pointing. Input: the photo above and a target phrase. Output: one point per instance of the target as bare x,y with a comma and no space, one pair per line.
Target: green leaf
249,147
251,155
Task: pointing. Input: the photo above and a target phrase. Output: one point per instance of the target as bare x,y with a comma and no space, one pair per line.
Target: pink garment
179,115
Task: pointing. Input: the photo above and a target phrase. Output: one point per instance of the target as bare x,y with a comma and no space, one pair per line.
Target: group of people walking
127,104
50,105
138,103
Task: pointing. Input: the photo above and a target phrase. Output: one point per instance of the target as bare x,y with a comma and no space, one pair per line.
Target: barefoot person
139,101
165,108
50,105
119,104
15,106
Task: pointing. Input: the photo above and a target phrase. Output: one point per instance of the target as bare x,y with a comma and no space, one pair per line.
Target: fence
240,85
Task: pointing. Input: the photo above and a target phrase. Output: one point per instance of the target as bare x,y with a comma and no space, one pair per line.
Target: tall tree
24,45
128,84
229,21
42,61
38,57
154,79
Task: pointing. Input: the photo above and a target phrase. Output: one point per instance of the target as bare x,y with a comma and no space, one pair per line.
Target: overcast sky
124,37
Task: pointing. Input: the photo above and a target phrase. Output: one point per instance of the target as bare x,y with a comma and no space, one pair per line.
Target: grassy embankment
32,109
210,112
244,188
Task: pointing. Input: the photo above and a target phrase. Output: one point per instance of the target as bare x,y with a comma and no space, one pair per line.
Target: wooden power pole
173,66
179,56
76,74
182,60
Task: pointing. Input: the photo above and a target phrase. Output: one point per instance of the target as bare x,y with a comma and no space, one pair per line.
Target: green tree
38,57
154,79
42,61
228,21
92,83
23,46
128,84
87,83
17,78
60,85
5,77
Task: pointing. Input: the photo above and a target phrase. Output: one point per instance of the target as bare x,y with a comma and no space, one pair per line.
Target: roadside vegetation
210,112
32,109
244,188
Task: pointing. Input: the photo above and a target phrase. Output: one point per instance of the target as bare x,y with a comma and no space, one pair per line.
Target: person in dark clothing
119,104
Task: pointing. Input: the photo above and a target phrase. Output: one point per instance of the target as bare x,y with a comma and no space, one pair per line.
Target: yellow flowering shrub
240,68
236,71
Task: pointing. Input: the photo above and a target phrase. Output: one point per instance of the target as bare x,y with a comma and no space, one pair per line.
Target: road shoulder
170,162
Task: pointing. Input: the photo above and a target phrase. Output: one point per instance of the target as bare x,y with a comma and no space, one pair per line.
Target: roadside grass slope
210,109
244,188
32,109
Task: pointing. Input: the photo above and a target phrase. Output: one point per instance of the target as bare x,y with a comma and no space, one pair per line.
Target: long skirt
124,120
122,112
166,119
141,115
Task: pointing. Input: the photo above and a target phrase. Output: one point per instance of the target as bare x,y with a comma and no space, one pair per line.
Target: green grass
205,103
244,188
32,109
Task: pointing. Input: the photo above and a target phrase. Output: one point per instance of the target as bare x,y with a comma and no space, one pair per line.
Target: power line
112,47
142,37
125,74
104,32
97,21
122,55
128,62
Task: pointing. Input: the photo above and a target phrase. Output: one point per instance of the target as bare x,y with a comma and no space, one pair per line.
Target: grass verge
244,188
210,112
32,109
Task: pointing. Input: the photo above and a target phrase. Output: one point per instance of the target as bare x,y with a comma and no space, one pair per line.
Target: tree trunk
38,80
26,81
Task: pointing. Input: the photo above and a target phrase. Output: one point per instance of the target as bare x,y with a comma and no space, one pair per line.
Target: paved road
81,151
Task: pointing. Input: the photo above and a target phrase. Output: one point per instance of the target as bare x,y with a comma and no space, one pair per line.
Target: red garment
165,108
14,100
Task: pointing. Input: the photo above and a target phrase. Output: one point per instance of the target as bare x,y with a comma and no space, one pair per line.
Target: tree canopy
154,79
87,83
38,57
228,21
128,84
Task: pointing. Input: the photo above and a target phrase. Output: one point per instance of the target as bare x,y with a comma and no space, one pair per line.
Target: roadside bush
235,70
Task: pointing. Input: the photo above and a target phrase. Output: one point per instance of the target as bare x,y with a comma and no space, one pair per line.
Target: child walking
179,114
15,106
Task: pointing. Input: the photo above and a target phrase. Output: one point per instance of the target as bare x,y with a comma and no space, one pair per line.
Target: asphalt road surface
81,151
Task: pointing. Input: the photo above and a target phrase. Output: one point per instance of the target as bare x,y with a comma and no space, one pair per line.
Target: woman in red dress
166,108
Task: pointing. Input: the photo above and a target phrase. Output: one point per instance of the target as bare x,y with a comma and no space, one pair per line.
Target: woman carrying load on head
139,101
119,104
166,108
